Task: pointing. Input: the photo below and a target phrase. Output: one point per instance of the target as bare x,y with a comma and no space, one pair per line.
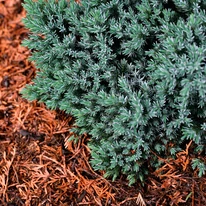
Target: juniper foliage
132,73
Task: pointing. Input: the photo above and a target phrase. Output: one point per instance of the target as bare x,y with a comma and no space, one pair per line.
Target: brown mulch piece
38,166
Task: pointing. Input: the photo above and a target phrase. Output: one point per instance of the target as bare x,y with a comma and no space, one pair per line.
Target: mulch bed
38,166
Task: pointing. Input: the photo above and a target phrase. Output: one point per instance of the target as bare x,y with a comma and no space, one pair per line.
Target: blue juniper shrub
132,73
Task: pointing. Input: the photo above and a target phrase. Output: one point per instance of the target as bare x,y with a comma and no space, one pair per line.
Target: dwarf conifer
132,73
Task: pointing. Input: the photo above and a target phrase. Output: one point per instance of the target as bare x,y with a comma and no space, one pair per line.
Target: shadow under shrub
132,73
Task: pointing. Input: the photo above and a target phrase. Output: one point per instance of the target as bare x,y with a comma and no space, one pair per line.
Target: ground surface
39,167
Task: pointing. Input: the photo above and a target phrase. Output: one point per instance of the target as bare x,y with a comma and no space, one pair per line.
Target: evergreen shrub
132,73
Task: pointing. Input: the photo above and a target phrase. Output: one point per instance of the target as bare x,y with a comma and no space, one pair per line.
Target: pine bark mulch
38,166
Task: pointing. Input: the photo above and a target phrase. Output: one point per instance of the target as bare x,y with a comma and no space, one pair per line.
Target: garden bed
38,166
